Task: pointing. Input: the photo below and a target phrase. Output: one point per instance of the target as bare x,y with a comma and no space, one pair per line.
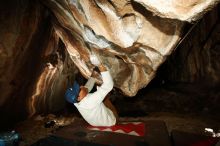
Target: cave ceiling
132,38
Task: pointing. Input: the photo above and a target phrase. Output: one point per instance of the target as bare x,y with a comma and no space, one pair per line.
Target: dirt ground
34,129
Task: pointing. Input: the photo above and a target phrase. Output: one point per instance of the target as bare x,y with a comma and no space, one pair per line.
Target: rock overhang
132,38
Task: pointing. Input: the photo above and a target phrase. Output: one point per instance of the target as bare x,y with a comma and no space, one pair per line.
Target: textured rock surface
21,45
189,80
127,38
32,74
197,58
184,10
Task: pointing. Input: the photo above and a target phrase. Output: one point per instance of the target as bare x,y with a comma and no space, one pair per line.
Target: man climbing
95,108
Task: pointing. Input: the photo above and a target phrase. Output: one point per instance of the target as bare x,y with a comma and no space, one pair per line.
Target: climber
95,108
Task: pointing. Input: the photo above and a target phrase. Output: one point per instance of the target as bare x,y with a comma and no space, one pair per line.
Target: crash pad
129,128
151,133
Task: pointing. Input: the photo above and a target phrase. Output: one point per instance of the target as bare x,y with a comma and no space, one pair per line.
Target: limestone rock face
129,40
184,10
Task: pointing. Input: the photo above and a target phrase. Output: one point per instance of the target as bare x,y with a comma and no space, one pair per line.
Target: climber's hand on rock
94,60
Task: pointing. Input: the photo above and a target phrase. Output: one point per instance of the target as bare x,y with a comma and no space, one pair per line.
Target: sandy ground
34,129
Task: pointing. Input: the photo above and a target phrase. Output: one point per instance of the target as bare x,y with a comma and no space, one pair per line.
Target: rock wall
184,10
197,58
33,76
130,41
189,80
128,36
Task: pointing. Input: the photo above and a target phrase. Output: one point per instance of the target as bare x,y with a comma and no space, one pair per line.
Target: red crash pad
151,133
130,128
